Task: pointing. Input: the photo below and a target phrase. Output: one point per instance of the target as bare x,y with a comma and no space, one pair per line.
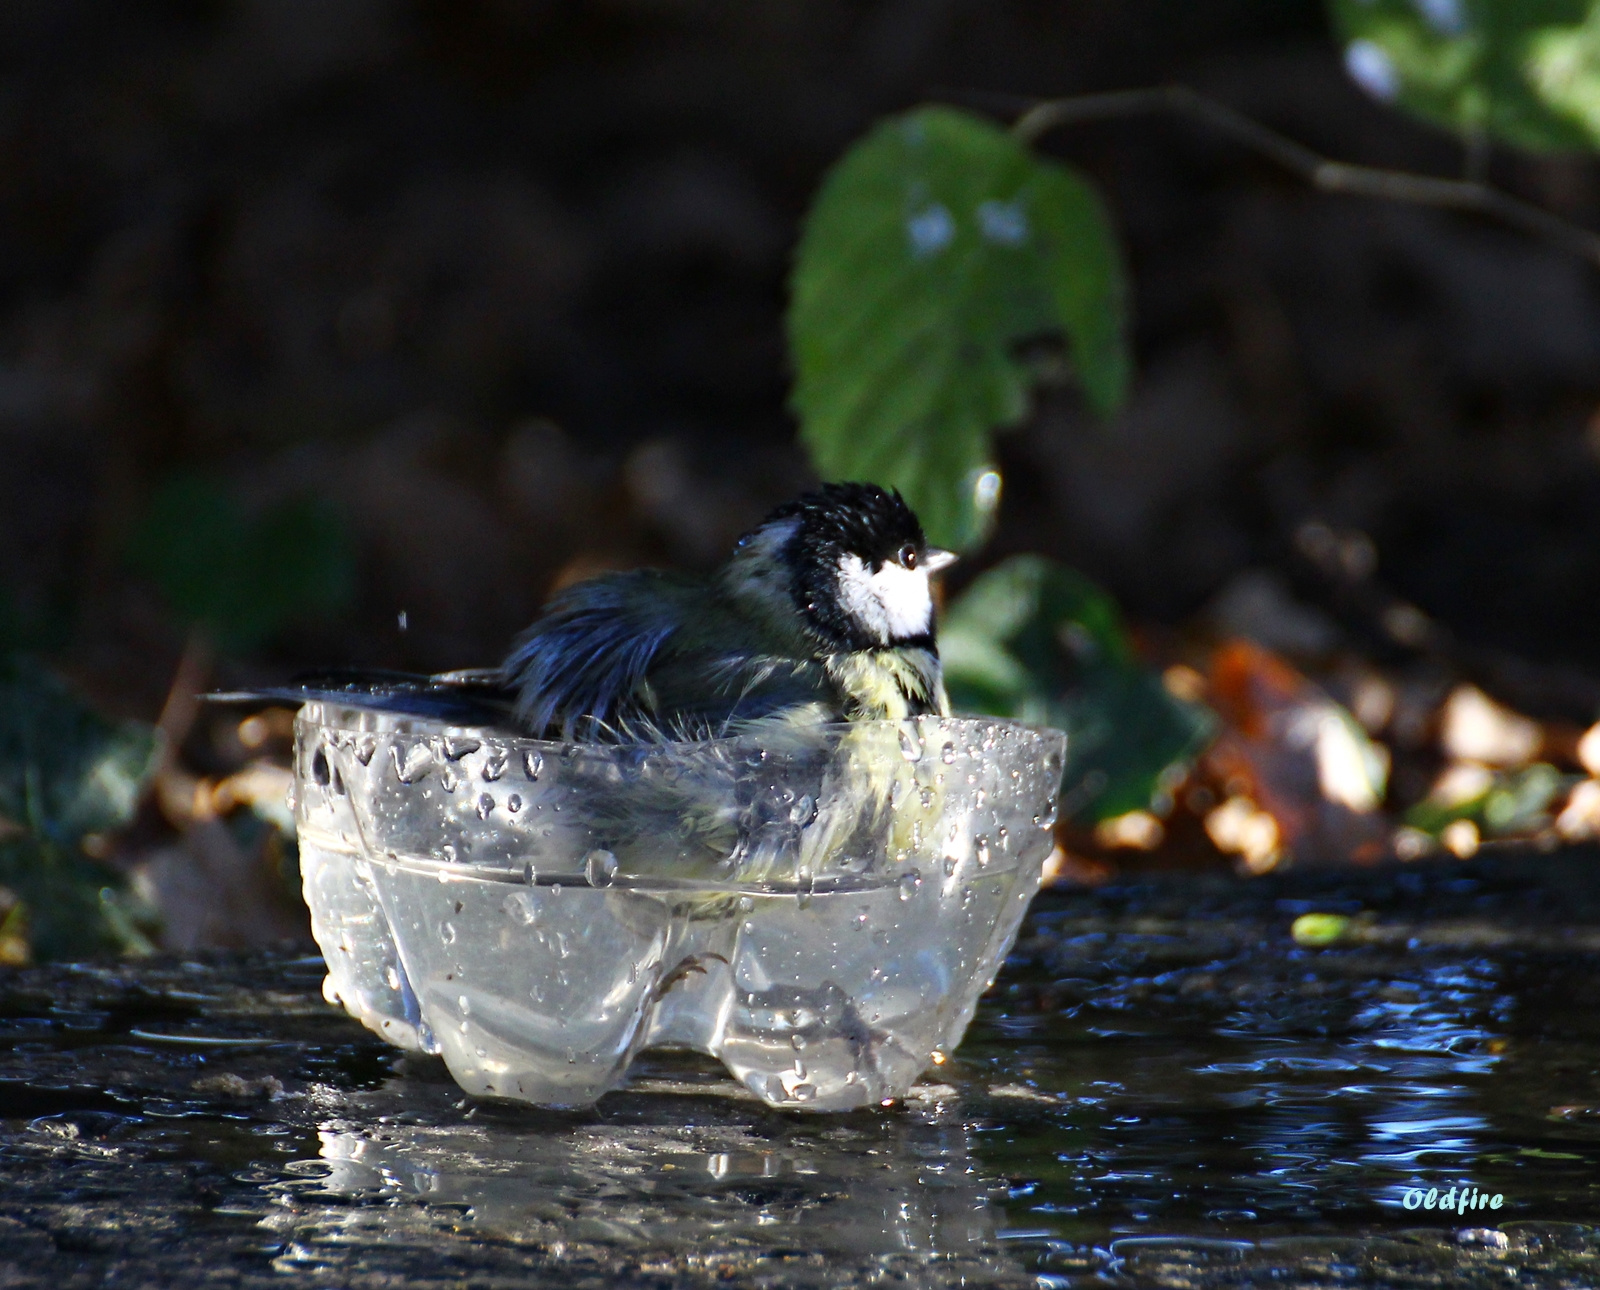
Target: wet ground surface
1163,1089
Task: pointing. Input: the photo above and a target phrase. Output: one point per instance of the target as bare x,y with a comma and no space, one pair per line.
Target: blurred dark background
501,283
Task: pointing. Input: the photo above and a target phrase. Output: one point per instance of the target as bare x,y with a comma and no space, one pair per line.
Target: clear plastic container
819,909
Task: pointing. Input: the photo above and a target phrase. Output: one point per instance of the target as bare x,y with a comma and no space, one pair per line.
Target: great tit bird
824,612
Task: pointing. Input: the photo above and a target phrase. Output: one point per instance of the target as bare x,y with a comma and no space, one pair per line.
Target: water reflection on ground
1163,1088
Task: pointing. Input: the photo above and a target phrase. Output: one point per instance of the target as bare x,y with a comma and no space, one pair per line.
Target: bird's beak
935,559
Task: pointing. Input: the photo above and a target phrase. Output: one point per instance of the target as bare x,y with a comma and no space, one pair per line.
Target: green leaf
1035,641
242,578
73,906
65,770
936,247
1526,72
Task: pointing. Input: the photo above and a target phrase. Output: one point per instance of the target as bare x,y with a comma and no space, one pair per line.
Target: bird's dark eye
908,556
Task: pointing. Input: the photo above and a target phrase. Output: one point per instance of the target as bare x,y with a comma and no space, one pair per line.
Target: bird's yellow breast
890,684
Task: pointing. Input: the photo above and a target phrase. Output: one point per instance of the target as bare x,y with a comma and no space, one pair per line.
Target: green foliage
1515,802
1035,641
64,772
242,578
936,247
1526,72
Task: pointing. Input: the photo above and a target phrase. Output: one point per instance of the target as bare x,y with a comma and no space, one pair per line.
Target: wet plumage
822,613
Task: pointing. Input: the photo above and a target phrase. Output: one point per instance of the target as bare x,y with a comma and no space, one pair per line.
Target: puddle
1162,1089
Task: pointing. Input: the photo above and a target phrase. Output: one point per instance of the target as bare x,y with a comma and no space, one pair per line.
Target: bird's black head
857,564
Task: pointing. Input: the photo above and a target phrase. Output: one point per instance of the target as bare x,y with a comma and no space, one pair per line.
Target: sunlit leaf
242,577
1526,72
1035,641
936,247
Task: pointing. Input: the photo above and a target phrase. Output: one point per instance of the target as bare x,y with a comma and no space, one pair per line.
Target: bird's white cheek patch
891,603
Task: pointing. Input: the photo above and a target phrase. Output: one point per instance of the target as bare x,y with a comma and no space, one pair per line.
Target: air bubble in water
485,806
803,811
908,884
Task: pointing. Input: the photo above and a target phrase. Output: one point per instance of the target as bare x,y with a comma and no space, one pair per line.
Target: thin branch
1320,172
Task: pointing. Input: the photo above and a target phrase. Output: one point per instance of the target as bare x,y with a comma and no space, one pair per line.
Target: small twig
182,706
1320,172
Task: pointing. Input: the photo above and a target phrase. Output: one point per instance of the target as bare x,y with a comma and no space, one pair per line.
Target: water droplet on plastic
320,774
799,1065
947,754
411,764
980,849
522,907
572,1057
514,803
798,1043
926,798
485,806
803,811
365,747
1004,836
600,868
392,977
910,746
458,746
427,1040
1046,819
447,933
494,764
804,1092
464,1004
530,873
908,884
950,863
447,853
563,949
532,764
746,904
448,779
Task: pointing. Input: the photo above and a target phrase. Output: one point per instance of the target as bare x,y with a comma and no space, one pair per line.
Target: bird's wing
735,680
459,698
583,667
